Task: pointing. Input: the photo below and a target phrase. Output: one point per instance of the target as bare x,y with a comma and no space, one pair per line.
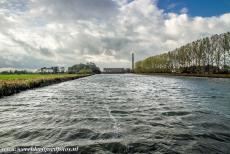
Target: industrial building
114,70
52,70
120,70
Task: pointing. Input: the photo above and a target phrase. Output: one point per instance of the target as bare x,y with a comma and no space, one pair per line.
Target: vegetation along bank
13,83
209,57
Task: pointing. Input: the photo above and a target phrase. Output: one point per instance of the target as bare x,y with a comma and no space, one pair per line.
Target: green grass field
34,76
13,83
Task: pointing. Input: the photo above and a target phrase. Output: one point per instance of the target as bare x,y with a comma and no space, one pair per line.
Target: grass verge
11,84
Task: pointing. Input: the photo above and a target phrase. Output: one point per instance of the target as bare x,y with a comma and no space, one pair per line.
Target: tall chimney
132,62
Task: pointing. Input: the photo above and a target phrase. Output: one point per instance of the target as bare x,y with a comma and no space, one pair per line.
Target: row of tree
208,55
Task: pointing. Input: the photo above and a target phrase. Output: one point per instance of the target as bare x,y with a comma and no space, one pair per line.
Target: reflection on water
122,114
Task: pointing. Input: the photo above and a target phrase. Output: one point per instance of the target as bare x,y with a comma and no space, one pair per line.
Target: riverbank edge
189,75
8,90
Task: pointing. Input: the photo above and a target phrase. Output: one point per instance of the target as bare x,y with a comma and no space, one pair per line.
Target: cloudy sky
37,33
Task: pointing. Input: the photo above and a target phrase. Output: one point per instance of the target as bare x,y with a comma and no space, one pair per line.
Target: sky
203,8
44,33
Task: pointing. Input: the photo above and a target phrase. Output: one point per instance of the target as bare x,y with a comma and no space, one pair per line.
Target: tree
226,48
205,55
85,71
76,68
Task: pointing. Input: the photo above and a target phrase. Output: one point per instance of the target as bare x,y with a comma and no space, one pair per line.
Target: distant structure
120,70
133,62
45,70
116,70
54,70
62,70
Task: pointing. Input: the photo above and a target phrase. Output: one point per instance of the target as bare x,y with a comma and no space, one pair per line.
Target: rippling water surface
122,114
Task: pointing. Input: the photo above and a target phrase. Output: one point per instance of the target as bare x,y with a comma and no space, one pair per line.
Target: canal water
121,114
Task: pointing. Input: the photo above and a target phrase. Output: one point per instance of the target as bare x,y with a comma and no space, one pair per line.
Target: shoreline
226,76
11,89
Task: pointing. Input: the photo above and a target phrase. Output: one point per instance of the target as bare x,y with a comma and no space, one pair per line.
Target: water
121,114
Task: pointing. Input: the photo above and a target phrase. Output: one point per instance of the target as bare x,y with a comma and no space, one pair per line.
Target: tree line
207,55
88,68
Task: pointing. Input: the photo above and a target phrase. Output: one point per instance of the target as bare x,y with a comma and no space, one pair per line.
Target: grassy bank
11,84
190,75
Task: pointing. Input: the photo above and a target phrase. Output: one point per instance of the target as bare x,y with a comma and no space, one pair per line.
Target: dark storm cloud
31,49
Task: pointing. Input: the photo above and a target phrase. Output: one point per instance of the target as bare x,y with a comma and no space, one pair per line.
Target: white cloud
184,10
59,32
